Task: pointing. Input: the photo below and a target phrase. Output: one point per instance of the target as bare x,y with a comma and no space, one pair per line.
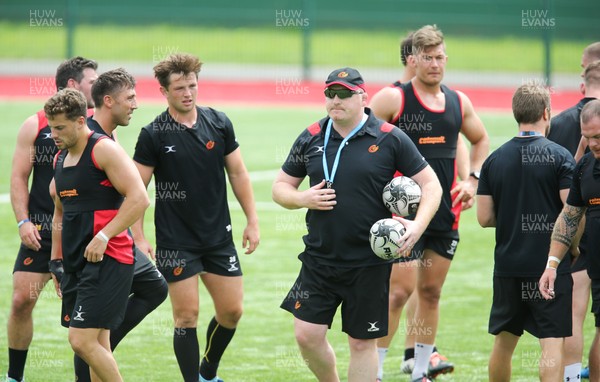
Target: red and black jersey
189,174
435,133
89,203
41,206
340,237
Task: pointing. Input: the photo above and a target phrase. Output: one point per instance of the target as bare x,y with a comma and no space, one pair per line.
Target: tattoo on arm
566,225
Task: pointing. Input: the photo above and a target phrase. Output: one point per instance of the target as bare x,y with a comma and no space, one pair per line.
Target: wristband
100,235
553,262
19,224
57,269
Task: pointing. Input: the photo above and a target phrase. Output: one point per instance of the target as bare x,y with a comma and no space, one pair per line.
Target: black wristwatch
475,174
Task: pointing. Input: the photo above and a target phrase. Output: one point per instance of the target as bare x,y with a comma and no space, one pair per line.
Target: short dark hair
183,63
591,74
590,111
72,68
70,102
529,103
110,83
406,48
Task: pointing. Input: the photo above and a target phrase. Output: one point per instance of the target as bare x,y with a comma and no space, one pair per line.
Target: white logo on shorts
373,328
79,315
233,267
452,248
228,227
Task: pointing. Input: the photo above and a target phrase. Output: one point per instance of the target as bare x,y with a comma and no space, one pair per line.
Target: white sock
382,352
422,355
573,372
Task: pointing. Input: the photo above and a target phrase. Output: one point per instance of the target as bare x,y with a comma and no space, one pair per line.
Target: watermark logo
420,262
42,86
290,18
162,52
290,222
416,327
166,258
44,18
295,293
414,123
537,85
289,358
44,358
530,291
536,223
537,19
532,359
165,124
536,156
290,86
170,192
43,155
296,155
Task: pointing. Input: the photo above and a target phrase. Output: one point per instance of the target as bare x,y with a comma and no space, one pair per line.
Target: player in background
33,209
98,193
404,273
433,115
565,129
581,202
544,170
189,149
348,156
114,98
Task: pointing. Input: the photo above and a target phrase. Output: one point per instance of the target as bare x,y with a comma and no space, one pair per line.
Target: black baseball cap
347,77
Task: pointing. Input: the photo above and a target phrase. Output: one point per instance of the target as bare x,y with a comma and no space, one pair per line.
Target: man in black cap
349,156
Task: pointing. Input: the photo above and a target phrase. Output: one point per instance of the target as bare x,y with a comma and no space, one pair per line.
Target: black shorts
177,265
596,300
444,246
362,292
96,296
29,260
518,305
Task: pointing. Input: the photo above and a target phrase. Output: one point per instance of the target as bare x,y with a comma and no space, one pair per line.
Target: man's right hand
30,236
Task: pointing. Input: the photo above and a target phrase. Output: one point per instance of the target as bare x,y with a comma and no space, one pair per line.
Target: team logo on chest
170,149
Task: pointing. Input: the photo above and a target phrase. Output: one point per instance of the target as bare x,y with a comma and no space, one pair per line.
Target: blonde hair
426,37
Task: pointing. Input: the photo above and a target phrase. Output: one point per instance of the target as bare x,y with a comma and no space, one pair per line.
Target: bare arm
137,228
485,211
242,189
475,132
125,178
57,218
386,103
22,165
565,230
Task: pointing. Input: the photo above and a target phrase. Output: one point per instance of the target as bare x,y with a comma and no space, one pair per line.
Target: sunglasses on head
341,93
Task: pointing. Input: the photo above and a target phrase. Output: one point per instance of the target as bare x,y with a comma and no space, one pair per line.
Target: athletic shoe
9,379
585,373
407,365
215,379
438,364
421,379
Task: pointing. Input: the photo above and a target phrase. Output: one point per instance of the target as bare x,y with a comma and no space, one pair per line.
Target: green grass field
280,46
264,347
